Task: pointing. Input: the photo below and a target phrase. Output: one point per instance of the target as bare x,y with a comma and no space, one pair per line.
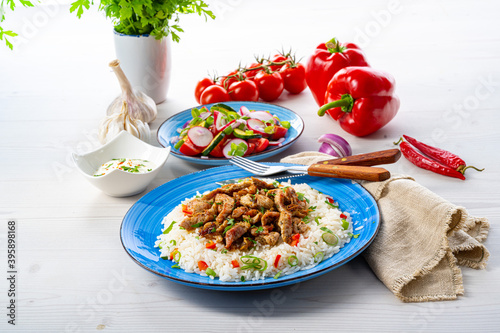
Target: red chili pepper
277,260
443,156
328,59
426,163
235,263
361,99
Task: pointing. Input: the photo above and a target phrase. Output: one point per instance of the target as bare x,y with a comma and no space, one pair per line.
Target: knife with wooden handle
373,174
376,158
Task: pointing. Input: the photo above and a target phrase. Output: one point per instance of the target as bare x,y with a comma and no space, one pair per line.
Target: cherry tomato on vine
270,85
214,94
243,91
277,58
251,74
201,86
294,78
227,81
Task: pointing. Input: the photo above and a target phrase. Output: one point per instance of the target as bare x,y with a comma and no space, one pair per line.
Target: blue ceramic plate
168,130
142,224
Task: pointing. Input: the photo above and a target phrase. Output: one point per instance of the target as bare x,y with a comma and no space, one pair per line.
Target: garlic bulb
115,123
140,106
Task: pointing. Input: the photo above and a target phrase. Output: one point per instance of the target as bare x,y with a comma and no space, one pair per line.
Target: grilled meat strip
227,189
197,205
206,216
226,205
269,217
269,239
299,226
236,232
257,201
238,212
285,219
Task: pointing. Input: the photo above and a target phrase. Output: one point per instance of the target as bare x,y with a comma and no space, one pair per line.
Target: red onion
334,145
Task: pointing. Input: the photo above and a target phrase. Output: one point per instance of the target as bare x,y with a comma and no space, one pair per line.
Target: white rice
192,246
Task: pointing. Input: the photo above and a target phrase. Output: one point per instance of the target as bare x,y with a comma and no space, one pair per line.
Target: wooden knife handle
373,174
379,157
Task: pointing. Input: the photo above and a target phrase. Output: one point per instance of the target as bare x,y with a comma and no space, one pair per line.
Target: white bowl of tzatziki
123,167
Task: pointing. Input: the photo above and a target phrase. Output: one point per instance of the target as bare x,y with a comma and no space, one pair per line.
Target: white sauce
127,165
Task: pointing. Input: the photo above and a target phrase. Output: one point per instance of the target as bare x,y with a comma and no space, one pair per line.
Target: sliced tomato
217,151
235,263
189,149
251,148
260,144
202,265
279,132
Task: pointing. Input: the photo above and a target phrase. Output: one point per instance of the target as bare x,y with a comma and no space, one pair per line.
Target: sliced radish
277,143
200,136
205,115
257,126
227,148
219,120
261,115
233,123
244,111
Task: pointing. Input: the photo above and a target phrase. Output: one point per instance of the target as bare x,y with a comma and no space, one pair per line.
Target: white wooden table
72,272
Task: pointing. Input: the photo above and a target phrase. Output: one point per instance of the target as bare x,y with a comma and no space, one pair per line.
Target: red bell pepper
327,60
361,99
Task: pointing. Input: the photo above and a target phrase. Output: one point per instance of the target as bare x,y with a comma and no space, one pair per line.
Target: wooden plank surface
54,88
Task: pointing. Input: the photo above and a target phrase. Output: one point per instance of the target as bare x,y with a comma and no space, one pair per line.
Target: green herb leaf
156,18
166,231
325,229
285,124
197,225
210,272
345,224
331,205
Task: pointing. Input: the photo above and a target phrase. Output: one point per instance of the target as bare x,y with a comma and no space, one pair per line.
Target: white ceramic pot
146,62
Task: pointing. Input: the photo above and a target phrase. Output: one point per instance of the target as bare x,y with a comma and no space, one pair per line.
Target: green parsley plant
157,18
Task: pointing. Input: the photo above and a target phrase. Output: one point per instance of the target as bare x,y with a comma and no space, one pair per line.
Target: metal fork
263,169
319,170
